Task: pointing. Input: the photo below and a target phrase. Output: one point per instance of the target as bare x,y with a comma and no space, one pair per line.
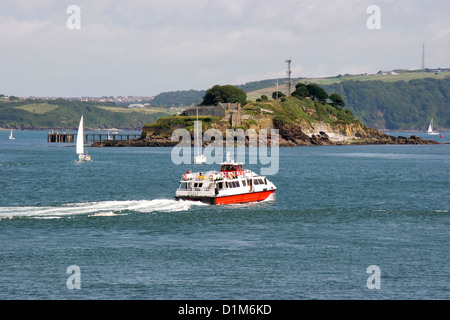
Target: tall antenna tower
288,61
423,56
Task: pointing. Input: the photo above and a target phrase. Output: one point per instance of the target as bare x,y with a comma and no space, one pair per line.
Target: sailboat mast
197,140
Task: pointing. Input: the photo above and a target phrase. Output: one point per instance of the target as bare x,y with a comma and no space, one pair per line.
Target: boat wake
98,209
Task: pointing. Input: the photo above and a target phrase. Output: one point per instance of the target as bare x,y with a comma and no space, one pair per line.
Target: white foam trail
96,209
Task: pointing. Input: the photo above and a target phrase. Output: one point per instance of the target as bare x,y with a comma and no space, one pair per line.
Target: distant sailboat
11,136
82,156
199,157
430,128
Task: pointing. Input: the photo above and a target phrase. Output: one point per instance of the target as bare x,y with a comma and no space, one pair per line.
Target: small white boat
199,159
430,128
11,136
82,155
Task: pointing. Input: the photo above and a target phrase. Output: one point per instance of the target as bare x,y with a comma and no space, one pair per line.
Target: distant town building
387,73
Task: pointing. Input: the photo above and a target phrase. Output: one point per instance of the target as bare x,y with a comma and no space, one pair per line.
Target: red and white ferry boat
232,184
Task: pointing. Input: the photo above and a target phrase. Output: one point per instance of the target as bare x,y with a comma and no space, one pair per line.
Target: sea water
339,211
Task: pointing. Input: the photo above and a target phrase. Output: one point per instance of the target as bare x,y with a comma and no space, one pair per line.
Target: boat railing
203,176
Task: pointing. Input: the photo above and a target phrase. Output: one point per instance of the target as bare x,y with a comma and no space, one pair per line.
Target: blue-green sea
337,211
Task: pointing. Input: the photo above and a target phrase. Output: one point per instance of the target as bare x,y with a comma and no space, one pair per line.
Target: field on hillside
39,108
65,114
152,110
407,76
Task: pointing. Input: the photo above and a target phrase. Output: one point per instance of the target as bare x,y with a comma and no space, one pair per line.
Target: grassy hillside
64,114
405,76
397,105
293,110
397,102
178,98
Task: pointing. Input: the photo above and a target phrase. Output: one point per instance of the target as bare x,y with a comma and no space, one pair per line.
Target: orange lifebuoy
184,177
211,177
231,175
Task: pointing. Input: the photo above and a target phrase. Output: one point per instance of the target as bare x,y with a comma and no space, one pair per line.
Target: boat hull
238,198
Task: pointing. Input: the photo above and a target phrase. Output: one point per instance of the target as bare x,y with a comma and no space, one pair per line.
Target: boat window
244,183
233,184
183,186
228,167
220,185
255,182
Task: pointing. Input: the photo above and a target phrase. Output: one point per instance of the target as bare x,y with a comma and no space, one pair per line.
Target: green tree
317,93
277,95
301,91
226,93
337,100
264,98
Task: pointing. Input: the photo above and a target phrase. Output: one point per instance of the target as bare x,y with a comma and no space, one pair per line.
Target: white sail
11,136
80,138
430,128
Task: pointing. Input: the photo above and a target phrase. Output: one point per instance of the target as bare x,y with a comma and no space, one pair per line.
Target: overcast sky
138,47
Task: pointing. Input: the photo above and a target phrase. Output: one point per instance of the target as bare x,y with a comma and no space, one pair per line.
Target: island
307,117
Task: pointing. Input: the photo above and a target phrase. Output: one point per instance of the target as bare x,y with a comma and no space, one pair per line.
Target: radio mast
288,61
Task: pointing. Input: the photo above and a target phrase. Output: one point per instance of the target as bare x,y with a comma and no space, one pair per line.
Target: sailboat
199,157
82,156
430,128
11,136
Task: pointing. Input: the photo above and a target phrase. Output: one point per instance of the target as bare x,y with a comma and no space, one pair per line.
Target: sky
143,48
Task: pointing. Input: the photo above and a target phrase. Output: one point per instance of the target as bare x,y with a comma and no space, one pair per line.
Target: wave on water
98,209
11,164
392,156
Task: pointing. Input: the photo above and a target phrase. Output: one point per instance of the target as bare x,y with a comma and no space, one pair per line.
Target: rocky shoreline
286,139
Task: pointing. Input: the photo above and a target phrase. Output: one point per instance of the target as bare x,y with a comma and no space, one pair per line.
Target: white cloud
146,47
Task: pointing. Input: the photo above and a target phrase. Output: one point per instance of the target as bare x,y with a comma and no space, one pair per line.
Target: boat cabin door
250,183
